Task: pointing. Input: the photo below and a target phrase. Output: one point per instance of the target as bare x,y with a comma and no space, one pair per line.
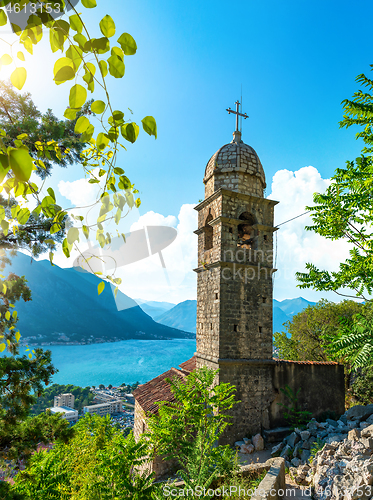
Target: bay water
115,363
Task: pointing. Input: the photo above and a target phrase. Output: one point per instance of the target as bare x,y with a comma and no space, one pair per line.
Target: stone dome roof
235,157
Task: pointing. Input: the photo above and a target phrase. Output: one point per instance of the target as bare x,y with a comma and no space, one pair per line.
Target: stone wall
321,388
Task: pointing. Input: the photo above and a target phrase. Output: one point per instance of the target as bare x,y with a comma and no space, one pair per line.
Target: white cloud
147,279
295,245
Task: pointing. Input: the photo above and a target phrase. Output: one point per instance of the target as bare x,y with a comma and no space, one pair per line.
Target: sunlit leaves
98,107
81,125
107,26
130,131
89,4
101,287
63,70
78,96
17,335
2,347
74,52
128,44
149,125
103,68
73,235
5,60
18,77
75,23
21,164
102,141
66,247
3,18
116,66
20,56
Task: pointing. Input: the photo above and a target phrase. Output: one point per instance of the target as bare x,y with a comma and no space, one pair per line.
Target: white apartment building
68,413
105,408
67,399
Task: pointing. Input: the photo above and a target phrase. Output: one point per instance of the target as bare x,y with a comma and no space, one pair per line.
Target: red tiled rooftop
305,362
157,390
189,365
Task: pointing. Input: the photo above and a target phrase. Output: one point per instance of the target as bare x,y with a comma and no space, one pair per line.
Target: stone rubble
342,468
249,446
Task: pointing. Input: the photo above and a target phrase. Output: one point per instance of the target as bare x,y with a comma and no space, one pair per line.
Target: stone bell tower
234,285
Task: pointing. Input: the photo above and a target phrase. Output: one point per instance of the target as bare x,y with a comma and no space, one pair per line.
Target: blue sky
296,62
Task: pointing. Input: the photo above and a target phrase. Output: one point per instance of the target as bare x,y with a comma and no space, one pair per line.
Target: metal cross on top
237,113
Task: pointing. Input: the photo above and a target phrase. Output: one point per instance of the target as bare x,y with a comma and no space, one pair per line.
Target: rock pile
256,443
343,467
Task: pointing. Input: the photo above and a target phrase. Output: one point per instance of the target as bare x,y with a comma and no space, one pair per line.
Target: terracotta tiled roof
189,365
306,362
157,390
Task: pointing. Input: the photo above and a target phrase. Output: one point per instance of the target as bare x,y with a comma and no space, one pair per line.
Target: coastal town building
234,305
105,408
66,399
69,414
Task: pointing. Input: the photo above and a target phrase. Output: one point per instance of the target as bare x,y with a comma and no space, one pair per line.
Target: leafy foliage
83,397
309,334
98,463
187,430
362,385
345,210
355,341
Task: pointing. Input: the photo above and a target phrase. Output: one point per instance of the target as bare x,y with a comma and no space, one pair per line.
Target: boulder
367,432
334,438
258,442
275,435
297,450
304,435
369,420
286,452
331,422
343,418
295,462
359,411
246,440
247,448
293,439
276,450
353,434
239,443
305,455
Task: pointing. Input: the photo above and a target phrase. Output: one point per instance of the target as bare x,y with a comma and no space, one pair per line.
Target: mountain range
66,308
184,315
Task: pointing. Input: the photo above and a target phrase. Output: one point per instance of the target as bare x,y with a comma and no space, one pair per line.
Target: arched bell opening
246,232
209,233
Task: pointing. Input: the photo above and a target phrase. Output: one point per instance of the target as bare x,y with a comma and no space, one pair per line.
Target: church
234,305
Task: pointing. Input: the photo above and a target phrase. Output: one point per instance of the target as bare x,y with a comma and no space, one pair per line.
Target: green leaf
78,96
23,215
18,78
7,315
85,231
75,23
101,287
107,26
102,141
116,66
55,228
21,164
66,247
63,70
98,107
149,125
89,4
128,44
103,68
30,355
70,114
130,131
101,45
51,255
2,347
3,18
51,193
81,125
75,54
20,56
72,235
14,314
17,336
